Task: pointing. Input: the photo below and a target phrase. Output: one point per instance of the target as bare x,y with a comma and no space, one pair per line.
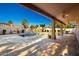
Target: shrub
4,31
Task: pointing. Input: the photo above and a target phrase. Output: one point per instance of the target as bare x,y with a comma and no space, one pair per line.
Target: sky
15,12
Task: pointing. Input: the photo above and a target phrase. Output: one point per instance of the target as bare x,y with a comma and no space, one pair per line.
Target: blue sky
16,13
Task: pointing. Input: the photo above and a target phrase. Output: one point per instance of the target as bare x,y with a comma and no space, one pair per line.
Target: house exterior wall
10,29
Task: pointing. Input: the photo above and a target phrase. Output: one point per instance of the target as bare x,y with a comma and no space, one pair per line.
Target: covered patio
63,13
64,44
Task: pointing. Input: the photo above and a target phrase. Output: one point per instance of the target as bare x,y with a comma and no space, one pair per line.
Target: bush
22,31
4,31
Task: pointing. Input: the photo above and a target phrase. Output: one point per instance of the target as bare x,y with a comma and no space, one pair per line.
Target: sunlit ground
17,45
14,45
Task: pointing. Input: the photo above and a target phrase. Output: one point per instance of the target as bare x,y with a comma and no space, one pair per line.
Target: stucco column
53,29
61,29
64,26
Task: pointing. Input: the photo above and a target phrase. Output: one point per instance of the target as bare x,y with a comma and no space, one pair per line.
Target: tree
36,26
24,23
10,22
70,25
32,27
58,24
42,25
50,25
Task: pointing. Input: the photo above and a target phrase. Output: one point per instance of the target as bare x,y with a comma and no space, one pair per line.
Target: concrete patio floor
14,45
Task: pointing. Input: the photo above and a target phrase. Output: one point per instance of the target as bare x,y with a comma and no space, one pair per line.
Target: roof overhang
62,12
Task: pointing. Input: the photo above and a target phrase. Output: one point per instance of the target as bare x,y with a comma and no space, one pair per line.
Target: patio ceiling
64,12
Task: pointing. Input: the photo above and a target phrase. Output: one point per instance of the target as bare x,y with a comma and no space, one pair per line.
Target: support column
61,29
53,29
64,26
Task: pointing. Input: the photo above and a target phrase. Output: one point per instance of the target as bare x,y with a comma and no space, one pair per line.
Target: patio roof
63,12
